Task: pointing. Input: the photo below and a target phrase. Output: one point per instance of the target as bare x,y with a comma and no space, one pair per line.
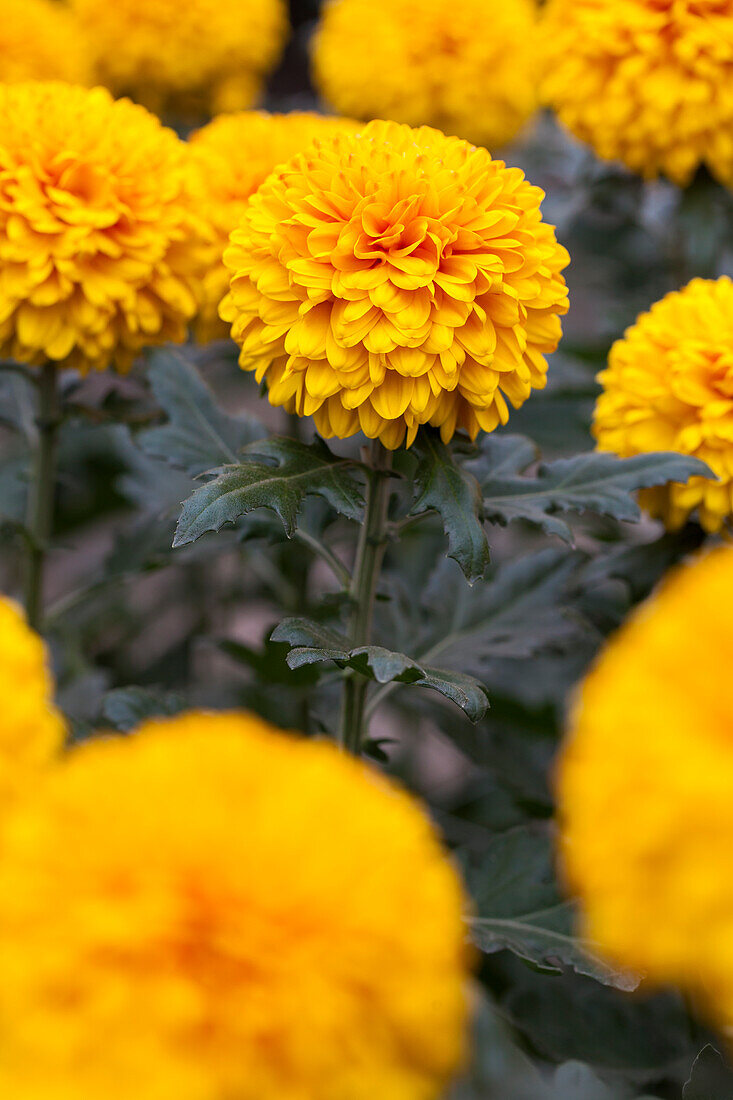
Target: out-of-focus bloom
99,247
646,788
394,278
669,387
32,730
197,57
468,67
209,909
41,40
230,159
647,82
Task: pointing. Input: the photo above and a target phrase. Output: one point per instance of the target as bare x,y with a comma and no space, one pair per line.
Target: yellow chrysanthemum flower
210,909
467,67
230,159
669,387
394,278
198,57
100,253
647,82
32,730
646,788
41,40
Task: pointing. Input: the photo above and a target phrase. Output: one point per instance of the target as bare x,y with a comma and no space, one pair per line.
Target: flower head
32,730
646,82
99,249
41,40
646,788
394,278
468,67
669,387
232,915
230,159
199,56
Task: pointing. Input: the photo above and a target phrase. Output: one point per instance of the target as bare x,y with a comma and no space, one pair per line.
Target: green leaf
198,436
277,474
594,482
520,909
125,708
711,1077
454,493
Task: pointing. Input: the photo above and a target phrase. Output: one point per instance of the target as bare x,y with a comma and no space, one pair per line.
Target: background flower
202,55
231,157
394,278
645,786
669,387
41,40
233,914
467,67
648,82
99,248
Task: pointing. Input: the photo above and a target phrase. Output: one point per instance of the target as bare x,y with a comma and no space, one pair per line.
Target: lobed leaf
711,1077
125,708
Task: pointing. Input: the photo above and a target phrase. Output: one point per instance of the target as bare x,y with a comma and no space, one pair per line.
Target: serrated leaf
125,708
454,493
307,632
711,1077
521,910
593,482
277,474
198,435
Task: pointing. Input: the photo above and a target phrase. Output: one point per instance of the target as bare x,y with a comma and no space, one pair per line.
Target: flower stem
369,555
41,493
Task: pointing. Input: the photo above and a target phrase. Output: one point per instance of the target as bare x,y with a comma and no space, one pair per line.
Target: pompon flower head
646,82
257,947
32,730
231,157
197,57
467,67
645,787
669,387
100,253
395,278
41,40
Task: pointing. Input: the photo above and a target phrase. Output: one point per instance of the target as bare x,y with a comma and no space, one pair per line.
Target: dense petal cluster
41,40
646,788
467,67
209,910
32,730
395,278
669,387
230,159
199,56
100,253
647,82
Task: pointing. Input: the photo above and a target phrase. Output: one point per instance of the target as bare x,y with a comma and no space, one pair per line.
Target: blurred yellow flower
41,40
647,82
395,278
669,387
468,67
197,57
210,909
645,788
231,157
32,731
99,250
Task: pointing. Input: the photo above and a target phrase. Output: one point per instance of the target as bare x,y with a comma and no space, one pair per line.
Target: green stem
369,555
41,492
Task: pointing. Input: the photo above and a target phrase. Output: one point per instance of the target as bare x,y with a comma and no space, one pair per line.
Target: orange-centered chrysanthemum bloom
210,909
645,788
669,387
198,57
100,253
230,159
31,730
468,67
394,278
41,40
647,82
